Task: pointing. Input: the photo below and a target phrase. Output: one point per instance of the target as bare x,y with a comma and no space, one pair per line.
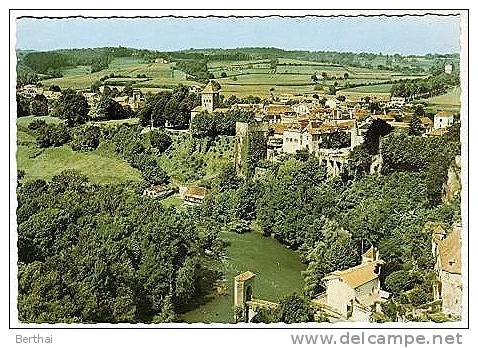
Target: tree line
424,88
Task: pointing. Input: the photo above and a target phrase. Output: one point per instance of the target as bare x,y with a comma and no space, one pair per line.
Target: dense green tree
333,250
86,138
160,140
23,106
154,175
203,125
109,109
153,112
416,126
54,88
90,253
379,128
39,105
227,178
52,135
400,281
71,107
294,309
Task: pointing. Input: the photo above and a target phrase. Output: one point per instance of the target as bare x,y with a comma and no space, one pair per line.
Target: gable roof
277,109
244,276
357,275
426,121
196,191
371,253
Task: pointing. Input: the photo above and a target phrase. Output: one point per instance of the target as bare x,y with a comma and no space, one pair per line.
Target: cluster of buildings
191,195
355,295
328,128
30,91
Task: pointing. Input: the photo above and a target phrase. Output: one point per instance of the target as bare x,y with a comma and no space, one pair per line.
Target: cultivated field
127,69
294,76
242,78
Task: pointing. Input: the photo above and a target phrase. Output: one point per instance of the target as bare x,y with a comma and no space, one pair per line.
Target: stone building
449,287
158,191
354,294
209,100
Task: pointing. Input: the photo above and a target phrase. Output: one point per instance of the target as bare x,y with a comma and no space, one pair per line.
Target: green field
383,88
99,166
133,120
449,101
25,121
278,271
255,77
158,74
293,76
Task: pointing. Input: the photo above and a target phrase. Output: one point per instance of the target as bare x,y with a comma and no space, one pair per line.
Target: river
277,268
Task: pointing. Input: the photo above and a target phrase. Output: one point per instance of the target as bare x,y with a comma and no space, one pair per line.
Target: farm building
193,195
158,191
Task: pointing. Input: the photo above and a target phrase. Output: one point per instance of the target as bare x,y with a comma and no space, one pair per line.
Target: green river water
277,268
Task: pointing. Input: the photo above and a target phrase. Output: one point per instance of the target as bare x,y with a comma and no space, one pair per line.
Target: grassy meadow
99,166
449,101
128,69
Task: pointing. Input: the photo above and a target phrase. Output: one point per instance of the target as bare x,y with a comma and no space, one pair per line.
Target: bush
239,226
53,135
36,124
86,138
39,105
160,140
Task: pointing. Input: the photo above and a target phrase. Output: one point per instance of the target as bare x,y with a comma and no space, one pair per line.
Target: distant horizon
233,48
411,35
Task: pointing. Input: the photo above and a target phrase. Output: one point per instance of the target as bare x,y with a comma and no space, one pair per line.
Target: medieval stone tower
243,287
245,144
209,97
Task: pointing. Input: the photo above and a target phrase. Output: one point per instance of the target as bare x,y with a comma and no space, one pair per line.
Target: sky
388,35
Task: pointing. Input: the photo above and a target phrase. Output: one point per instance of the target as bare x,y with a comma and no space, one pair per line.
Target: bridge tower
243,288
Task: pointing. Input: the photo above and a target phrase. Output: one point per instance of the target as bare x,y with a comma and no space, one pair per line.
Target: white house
443,119
302,108
332,103
354,294
295,139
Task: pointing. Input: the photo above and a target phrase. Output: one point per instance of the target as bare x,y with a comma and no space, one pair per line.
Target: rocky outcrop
452,186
